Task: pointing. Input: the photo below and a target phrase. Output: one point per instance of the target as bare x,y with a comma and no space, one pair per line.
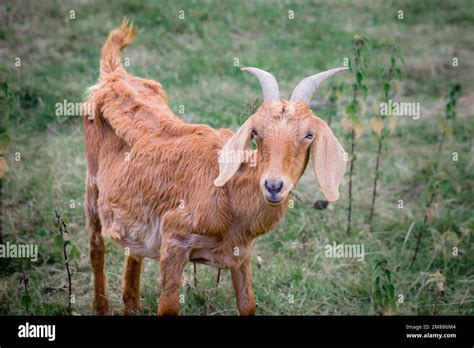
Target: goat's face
286,134
283,133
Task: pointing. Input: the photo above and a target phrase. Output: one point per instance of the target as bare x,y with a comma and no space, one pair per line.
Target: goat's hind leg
97,250
131,284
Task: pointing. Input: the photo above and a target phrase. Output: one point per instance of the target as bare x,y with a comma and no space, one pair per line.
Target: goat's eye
253,134
309,136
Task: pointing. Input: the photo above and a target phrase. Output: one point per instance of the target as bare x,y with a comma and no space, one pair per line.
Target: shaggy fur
150,181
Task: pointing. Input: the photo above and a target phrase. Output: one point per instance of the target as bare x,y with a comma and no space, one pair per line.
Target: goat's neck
252,212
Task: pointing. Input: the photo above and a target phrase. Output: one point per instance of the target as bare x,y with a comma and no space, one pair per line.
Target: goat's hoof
248,309
101,306
131,308
168,312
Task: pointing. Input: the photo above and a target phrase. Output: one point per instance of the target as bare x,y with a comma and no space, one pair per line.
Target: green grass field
194,59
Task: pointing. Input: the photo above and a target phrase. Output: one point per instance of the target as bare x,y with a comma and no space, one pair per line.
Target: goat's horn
268,83
305,90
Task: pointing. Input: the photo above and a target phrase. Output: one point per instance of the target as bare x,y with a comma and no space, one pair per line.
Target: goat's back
165,165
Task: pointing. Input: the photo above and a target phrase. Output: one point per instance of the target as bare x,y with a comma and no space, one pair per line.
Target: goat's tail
118,39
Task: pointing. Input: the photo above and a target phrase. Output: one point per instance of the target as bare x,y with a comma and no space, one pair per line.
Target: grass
194,60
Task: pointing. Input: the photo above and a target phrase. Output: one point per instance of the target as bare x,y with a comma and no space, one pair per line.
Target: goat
178,192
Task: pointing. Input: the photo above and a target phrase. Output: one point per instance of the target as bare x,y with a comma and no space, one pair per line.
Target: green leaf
5,141
444,186
386,89
365,90
390,290
33,279
25,301
378,297
4,88
398,53
43,232
457,87
58,240
359,77
74,253
398,73
351,110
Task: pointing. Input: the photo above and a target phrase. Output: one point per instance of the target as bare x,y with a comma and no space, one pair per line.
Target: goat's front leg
131,284
171,269
173,258
242,282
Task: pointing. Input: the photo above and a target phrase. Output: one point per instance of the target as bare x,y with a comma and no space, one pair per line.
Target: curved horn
267,82
305,90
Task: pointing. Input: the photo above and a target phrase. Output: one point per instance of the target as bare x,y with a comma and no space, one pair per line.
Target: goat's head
286,133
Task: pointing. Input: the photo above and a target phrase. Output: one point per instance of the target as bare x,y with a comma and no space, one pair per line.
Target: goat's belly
217,259
133,247
211,258
207,262
136,239
212,261
145,239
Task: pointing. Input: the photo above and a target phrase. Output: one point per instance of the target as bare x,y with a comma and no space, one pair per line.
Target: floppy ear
232,154
328,160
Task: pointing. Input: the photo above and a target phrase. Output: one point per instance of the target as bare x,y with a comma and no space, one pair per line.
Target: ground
197,59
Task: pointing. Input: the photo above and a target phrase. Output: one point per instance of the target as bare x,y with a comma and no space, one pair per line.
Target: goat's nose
273,187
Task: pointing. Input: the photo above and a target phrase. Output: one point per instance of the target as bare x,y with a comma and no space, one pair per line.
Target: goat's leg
173,257
131,284
96,250
242,283
171,270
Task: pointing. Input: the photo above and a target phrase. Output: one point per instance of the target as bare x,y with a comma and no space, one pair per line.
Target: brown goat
182,193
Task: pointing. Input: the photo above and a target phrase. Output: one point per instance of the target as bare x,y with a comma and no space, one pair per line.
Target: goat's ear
328,160
233,153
